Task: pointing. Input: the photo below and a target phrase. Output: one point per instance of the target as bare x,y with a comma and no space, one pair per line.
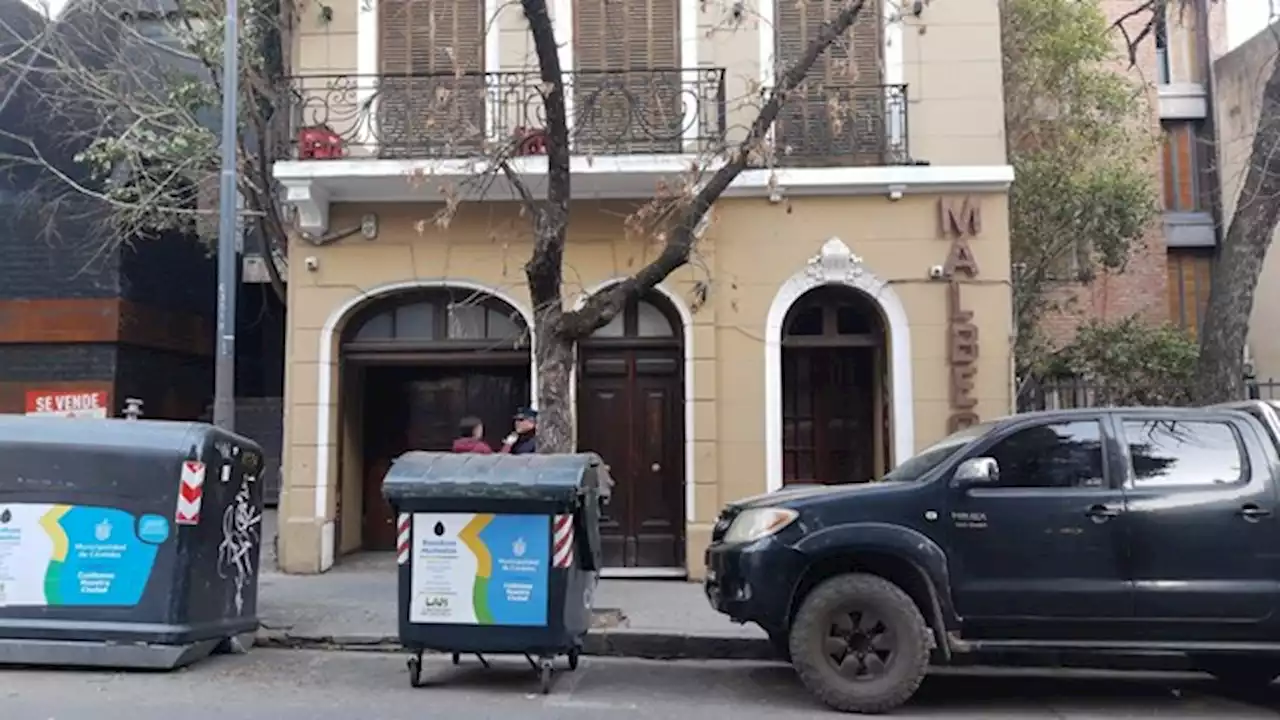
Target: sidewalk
353,606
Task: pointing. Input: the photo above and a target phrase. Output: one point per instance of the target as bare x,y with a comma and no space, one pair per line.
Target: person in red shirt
471,437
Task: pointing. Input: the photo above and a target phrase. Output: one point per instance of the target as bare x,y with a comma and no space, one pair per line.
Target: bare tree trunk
1220,377
554,357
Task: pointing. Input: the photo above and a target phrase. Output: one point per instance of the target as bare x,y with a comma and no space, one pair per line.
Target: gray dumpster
125,544
497,554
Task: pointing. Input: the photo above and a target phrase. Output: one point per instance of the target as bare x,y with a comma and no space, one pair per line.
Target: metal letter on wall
961,220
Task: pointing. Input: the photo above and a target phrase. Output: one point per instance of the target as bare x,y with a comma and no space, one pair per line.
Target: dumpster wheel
573,659
546,668
415,670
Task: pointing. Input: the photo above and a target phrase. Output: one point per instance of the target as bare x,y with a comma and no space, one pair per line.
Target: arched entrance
835,409
414,364
630,410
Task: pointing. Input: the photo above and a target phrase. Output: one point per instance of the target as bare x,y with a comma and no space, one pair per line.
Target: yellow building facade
844,307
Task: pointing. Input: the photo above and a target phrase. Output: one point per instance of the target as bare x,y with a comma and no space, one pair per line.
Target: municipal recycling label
52,555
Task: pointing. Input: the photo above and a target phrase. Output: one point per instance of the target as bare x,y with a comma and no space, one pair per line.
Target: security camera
312,262
937,272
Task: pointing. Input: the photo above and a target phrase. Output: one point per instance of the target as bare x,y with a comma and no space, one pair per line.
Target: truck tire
860,644
1240,673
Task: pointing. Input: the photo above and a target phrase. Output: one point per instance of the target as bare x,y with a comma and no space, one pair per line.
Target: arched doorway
835,408
414,364
630,410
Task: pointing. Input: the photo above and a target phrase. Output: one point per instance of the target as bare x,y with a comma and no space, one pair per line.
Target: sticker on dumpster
54,555
479,569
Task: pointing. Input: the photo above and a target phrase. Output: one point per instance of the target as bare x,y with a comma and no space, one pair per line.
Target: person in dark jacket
524,441
471,437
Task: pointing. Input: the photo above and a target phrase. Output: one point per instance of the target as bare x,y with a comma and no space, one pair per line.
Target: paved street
313,685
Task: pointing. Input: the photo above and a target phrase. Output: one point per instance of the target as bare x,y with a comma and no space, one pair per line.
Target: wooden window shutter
627,85
838,115
432,91
636,35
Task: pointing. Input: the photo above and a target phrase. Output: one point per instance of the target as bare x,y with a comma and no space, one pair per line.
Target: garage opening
414,364
835,404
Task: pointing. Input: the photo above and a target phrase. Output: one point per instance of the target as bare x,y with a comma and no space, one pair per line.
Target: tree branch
602,306
526,197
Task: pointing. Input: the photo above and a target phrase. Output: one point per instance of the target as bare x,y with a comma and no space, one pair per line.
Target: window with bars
1190,274
432,90
627,85
838,114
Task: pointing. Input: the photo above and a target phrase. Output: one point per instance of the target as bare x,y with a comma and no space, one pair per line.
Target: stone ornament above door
835,262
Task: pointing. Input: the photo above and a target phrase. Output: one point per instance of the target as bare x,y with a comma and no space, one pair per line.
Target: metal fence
1068,393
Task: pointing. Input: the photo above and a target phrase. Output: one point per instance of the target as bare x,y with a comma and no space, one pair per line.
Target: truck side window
1058,455
1167,453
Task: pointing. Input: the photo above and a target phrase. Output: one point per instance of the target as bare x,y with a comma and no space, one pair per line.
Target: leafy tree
1130,362
1081,147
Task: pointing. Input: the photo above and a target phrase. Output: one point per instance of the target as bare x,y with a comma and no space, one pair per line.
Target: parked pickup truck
1086,531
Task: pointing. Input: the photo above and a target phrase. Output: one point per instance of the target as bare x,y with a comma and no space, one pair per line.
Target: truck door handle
1253,513
1101,513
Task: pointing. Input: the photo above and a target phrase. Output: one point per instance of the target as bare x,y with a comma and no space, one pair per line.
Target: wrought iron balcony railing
465,115
843,125
612,113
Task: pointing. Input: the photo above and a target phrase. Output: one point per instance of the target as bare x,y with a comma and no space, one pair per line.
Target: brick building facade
1167,276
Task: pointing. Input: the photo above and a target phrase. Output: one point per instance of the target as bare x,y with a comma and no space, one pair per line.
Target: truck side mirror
976,471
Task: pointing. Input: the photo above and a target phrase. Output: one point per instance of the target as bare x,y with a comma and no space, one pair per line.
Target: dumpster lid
420,474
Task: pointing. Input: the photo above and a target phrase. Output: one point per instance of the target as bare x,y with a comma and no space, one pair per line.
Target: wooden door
629,405
828,414
419,409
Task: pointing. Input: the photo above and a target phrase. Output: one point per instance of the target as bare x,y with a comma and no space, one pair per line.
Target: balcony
357,138
647,112
843,125
436,117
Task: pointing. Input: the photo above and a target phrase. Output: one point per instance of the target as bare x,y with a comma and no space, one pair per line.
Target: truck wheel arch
892,566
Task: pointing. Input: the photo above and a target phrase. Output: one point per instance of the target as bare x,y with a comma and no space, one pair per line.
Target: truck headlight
751,525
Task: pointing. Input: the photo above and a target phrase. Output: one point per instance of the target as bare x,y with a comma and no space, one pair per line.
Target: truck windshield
936,454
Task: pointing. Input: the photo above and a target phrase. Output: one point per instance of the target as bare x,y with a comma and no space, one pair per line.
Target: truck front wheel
860,644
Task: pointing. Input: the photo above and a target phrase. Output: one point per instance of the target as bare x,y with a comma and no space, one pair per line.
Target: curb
609,643
656,645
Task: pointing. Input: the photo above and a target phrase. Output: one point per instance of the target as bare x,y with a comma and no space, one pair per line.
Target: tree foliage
1081,148
1130,362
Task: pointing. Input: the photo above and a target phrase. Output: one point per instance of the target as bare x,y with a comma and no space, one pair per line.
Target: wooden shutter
838,115
627,80
432,98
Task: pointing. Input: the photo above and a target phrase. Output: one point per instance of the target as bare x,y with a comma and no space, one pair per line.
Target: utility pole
224,381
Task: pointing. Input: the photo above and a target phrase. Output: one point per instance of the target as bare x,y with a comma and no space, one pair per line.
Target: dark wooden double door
415,408
834,415
630,413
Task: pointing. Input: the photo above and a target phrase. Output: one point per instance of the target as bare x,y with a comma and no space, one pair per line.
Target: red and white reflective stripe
190,493
402,539
562,542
